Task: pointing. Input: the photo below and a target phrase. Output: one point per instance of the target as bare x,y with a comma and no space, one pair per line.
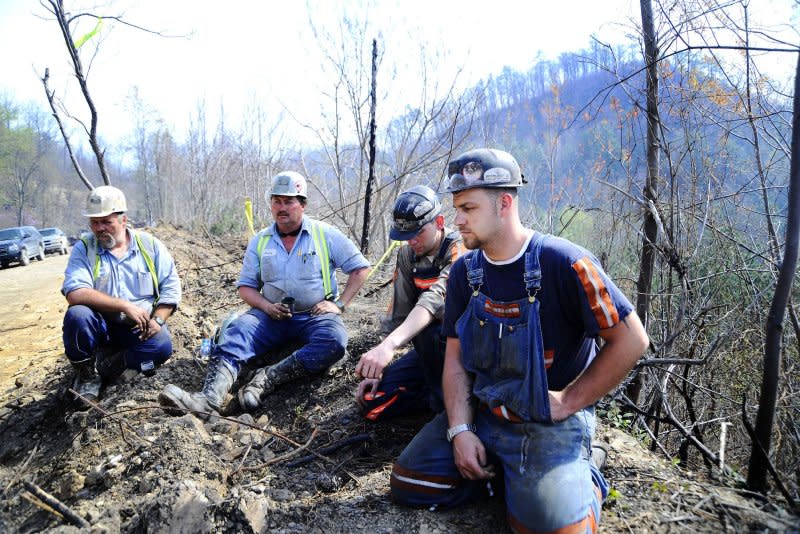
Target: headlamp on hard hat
483,167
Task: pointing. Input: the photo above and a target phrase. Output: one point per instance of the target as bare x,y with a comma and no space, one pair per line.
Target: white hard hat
289,184
105,200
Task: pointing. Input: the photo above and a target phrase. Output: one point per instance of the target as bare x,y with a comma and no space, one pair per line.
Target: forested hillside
691,220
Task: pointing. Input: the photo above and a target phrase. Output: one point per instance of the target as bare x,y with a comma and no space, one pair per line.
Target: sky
236,53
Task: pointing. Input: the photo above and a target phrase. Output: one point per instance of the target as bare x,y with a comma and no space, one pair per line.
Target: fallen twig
202,415
360,438
19,471
284,456
121,422
55,505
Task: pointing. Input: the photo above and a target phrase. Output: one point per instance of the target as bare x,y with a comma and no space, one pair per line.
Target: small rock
194,424
281,495
247,419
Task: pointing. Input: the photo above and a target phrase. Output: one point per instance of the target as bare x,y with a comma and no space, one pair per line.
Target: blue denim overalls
502,345
548,479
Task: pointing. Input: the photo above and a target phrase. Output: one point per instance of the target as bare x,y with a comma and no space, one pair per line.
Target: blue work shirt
127,278
298,272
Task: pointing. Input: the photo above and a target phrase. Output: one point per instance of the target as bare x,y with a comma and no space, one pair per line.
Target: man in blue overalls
522,369
412,383
288,278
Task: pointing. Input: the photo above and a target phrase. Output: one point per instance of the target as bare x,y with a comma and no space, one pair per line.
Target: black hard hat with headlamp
413,209
483,167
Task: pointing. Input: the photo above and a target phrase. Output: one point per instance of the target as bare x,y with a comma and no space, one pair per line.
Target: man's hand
368,386
277,312
470,457
138,316
372,363
325,306
153,328
558,409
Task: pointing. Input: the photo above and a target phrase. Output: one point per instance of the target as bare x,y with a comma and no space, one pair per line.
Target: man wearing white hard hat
121,286
288,278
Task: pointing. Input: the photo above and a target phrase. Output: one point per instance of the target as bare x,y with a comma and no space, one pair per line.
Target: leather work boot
267,379
109,363
206,403
86,382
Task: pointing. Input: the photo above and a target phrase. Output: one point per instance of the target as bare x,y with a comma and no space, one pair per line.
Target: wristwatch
453,431
159,320
340,305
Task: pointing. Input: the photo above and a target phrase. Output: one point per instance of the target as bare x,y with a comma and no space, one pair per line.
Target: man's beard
471,242
107,241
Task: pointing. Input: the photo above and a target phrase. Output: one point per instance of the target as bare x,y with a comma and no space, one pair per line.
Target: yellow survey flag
248,214
389,250
79,43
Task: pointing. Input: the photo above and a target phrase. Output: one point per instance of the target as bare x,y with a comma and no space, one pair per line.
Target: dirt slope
128,467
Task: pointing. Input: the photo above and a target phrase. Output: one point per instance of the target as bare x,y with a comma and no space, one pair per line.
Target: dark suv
54,240
20,243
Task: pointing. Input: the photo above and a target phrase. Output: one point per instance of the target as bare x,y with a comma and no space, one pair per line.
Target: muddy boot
267,379
206,403
86,383
109,363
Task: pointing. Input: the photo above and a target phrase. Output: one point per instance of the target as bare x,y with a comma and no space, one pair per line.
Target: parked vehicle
54,240
20,244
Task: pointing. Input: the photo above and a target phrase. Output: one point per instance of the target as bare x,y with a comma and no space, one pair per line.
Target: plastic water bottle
203,352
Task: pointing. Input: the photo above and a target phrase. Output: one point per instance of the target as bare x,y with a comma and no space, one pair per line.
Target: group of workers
514,335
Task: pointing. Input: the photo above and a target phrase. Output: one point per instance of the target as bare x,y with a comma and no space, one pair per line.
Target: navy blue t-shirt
577,300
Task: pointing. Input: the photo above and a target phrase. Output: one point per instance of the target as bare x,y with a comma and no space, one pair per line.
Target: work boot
86,383
206,403
267,379
109,363
599,456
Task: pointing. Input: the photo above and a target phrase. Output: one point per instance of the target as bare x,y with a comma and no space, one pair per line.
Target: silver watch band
453,431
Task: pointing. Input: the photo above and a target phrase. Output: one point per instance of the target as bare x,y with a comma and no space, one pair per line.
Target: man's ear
506,201
439,220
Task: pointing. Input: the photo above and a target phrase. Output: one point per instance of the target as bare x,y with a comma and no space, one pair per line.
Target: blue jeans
545,470
85,331
254,333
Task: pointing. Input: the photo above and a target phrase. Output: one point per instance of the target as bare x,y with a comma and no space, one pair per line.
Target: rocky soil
303,463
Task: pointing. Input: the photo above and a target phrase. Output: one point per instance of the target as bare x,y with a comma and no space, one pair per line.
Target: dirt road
31,309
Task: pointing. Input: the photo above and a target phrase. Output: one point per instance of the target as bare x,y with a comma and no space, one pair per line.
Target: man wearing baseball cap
121,286
413,382
288,279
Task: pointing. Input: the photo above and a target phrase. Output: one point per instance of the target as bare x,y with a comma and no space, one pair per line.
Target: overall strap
474,272
533,269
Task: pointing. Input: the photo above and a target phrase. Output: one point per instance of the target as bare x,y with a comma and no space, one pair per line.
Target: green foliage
660,486
616,417
614,496
230,221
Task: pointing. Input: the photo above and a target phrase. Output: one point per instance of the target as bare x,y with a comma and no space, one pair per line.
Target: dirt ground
305,462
